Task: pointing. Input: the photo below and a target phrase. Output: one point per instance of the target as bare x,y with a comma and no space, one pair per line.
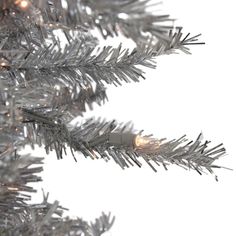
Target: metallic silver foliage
51,69
18,218
111,140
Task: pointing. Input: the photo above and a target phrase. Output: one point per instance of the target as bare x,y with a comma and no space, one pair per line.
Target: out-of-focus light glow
3,62
12,188
23,4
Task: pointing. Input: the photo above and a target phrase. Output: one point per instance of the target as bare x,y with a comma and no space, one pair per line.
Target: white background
184,95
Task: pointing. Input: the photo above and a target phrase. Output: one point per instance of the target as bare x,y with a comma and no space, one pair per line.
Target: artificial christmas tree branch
19,218
79,63
45,71
101,139
129,17
51,68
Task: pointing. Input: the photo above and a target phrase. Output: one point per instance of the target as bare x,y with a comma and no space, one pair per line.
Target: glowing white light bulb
141,141
12,188
148,143
23,4
3,62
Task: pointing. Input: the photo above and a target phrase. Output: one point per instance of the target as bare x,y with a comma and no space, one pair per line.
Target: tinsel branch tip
104,139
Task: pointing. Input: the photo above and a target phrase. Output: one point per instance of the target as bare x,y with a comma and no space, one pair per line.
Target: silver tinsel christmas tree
51,69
